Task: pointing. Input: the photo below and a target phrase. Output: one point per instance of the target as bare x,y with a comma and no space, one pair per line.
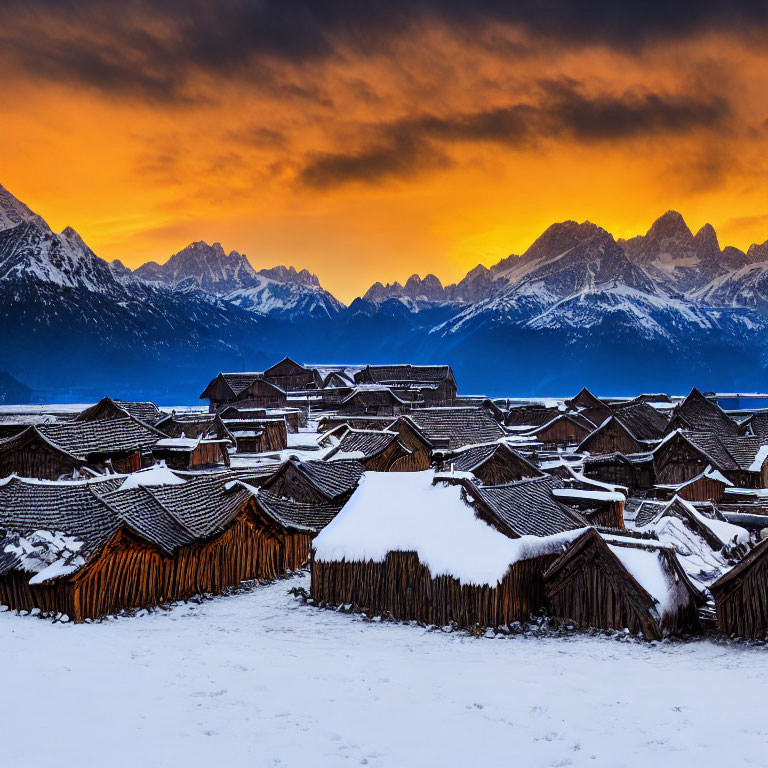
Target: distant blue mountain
662,311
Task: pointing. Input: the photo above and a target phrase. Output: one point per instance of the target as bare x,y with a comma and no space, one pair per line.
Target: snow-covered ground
261,679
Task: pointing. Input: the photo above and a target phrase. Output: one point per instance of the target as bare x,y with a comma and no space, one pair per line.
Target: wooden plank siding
403,588
132,573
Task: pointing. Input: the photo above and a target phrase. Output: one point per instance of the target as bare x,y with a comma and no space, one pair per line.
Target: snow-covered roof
577,493
408,512
159,474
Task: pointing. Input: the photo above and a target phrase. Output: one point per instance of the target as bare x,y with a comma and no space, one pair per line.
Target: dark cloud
153,49
401,157
405,147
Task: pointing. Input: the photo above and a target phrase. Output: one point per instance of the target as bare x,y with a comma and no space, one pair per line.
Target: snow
159,474
47,554
576,493
714,474
259,679
759,460
701,563
348,455
647,569
177,442
406,512
724,531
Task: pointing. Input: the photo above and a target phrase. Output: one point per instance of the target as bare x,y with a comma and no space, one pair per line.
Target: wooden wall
31,456
612,438
593,590
132,573
562,432
402,587
742,606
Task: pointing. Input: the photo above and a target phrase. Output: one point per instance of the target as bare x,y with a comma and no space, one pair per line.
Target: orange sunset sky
369,141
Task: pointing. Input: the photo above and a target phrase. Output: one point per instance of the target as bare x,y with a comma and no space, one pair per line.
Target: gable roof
285,362
332,479
412,512
757,425
456,427
373,393
642,421
71,507
579,419
698,413
652,567
294,515
195,425
365,443
146,412
205,503
727,453
146,515
234,382
473,457
585,400
81,439
714,530
741,568
406,375
528,507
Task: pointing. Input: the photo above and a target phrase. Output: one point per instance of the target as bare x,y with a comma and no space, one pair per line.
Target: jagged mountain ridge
210,268
592,310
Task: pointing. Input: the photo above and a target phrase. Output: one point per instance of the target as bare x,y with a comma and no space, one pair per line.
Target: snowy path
260,679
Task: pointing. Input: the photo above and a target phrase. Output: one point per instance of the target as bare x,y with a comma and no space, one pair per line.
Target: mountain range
660,311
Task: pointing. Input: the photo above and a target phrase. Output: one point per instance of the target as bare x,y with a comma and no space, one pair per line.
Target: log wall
742,607
403,587
131,573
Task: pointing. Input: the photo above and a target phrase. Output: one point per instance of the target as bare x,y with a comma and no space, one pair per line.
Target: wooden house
526,507
258,435
429,385
741,596
705,520
601,507
565,430
453,428
700,414
372,400
491,463
48,451
377,451
261,393
225,388
530,416
90,549
185,453
413,548
107,408
289,415
709,485
316,482
590,407
756,426
205,425
682,456
331,421
414,439
635,428
618,582
635,472
289,376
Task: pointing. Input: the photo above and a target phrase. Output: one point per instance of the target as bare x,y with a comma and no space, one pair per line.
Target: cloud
403,156
409,146
155,50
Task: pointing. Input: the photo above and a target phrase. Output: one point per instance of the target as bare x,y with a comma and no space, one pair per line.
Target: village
404,499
